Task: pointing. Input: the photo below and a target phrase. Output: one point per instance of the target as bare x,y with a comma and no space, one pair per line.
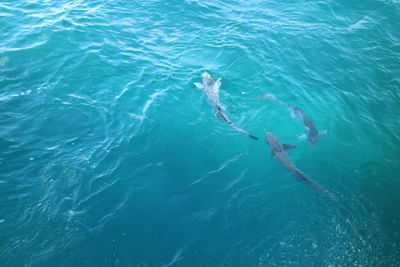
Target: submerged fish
211,89
278,150
312,133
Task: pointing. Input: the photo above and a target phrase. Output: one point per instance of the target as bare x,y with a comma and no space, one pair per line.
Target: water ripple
106,145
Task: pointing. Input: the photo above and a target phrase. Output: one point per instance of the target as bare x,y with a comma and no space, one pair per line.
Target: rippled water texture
110,156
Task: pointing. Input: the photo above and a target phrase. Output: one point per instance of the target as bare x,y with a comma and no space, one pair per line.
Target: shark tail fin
330,195
228,121
287,146
240,130
253,137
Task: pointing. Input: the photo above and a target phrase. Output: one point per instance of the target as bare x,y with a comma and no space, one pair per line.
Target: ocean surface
110,156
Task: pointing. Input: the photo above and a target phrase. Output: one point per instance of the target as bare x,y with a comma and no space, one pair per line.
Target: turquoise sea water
110,156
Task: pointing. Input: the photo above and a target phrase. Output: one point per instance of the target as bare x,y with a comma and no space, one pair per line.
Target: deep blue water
110,156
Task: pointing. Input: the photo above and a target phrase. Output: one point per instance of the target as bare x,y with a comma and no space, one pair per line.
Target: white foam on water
361,24
148,104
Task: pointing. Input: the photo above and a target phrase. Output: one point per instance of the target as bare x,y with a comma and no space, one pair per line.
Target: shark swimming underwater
312,133
211,89
278,150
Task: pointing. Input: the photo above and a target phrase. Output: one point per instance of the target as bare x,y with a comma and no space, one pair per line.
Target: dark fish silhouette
312,133
278,150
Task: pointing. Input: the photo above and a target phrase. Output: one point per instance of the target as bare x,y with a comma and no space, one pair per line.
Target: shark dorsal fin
287,147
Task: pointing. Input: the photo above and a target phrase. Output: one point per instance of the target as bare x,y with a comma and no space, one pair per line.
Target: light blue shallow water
109,155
